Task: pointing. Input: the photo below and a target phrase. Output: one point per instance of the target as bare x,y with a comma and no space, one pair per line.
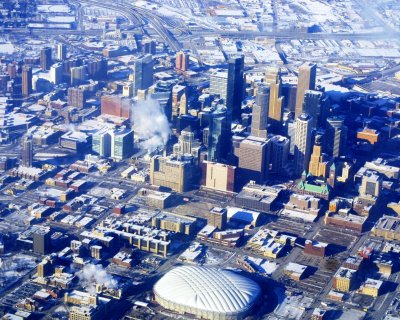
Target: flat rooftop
388,223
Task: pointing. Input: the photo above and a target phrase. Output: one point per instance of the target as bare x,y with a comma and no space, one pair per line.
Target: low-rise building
387,227
157,199
258,197
316,248
295,271
174,222
344,279
305,207
371,287
265,245
344,219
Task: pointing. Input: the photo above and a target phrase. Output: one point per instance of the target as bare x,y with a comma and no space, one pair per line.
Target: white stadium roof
206,290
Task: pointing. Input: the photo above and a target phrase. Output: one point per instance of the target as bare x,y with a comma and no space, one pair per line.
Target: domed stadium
207,293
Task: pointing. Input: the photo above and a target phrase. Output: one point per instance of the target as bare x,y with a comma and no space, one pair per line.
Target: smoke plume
150,124
93,274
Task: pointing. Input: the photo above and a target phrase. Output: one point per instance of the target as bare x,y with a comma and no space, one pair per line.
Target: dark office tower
26,81
218,135
45,58
27,151
312,105
4,78
336,137
279,154
97,68
273,79
302,143
61,52
149,46
289,92
306,81
42,240
260,112
235,87
143,73
12,70
71,63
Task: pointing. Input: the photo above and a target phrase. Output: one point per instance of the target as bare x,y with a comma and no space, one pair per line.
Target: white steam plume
150,124
93,274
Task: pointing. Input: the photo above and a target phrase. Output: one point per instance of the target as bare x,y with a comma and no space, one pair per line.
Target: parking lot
26,290
289,226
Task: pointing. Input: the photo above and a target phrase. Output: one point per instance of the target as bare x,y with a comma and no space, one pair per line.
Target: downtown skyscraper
306,81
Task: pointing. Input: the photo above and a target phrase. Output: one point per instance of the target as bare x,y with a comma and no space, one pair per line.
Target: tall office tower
118,106
27,151
42,240
312,106
218,135
77,97
122,143
71,63
186,140
171,172
26,81
302,143
182,61
142,75
45,59
306,81
326,110
219,85
183,105
290,126
97,68
56,73
218,176
127,90
279,153
260,112
101,143
149,46
178,92
289,92
78,75
273,79
61,52
235,91
253,159
319,162
165,101
12,70
336,137
253,151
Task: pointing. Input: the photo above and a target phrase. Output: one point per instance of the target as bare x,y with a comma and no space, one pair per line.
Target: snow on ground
265,266
61,19
7,48
58,8
14,267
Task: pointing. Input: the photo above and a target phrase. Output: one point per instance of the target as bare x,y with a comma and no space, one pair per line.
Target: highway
165,28
139,16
